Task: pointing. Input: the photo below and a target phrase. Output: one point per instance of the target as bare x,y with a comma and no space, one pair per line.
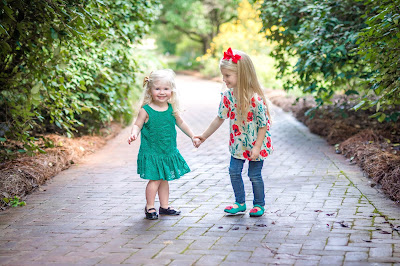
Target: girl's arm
186,129
137,127
257,146
215,124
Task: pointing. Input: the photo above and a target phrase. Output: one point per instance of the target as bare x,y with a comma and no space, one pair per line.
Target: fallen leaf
317,211
261,225
235,228
385,233
342,224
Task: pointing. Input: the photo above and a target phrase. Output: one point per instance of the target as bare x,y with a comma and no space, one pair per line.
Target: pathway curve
320,210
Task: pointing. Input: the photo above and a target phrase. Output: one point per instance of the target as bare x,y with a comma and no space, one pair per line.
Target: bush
67,66
379,45
348,47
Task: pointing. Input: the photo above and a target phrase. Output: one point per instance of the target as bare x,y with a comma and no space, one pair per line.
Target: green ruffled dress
159,157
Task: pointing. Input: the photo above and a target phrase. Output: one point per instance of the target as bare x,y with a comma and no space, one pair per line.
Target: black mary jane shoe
151,215
169,211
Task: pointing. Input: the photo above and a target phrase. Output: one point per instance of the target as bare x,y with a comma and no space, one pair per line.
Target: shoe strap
259,206
150,209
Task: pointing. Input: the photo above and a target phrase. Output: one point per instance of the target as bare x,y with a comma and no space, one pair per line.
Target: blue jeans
254,173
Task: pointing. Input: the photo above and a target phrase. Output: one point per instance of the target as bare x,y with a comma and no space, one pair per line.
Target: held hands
196,141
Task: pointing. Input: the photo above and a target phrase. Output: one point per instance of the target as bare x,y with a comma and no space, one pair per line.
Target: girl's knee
255,175
235,171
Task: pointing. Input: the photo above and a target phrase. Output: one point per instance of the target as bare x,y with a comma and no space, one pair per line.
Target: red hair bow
229,55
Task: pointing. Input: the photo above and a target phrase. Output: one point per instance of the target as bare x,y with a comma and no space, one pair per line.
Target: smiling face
229,77
161,92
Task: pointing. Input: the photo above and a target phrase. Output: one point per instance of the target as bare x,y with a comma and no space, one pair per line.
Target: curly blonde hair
167,75
247,83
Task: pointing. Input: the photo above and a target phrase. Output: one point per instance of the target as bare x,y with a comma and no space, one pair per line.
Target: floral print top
243,137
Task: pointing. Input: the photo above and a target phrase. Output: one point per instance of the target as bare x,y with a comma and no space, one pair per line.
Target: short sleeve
224,106
260,111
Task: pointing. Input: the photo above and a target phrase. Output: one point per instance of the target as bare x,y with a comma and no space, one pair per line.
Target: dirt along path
320,209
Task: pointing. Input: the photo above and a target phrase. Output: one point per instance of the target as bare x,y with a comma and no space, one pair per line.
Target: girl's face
161,92
229,77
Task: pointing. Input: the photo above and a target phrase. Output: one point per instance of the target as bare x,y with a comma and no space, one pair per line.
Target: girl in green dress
159,160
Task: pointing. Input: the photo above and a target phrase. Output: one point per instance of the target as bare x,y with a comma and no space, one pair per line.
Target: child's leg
257,182
163,194
235,172
151,191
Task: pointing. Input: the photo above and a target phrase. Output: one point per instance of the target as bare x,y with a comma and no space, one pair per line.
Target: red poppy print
253,102
250,117
259,98
236,130
253,143
246,154
269,145
232,115
269,139
232,140
226,102
263,153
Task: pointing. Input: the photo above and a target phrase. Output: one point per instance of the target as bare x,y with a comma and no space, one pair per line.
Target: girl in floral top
247,109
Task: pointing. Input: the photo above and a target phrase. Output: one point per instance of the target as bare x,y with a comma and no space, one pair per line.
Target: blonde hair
247,83
167,75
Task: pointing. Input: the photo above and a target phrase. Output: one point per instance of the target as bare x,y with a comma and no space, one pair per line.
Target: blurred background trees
71,67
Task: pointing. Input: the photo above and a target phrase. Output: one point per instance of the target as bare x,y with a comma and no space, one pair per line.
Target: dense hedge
67,66
330,46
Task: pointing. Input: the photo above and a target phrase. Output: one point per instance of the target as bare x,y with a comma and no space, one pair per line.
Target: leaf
54,34
350,92
3,30
359,105
9,12
382,117
36,88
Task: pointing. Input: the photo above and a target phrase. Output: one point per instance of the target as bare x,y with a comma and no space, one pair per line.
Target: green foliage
349,47
379,44
68,66
14,202
320,36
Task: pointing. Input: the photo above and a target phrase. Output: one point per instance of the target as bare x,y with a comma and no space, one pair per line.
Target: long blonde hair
247,83
167,75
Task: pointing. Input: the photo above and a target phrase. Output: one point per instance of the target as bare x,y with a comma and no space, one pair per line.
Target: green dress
159,158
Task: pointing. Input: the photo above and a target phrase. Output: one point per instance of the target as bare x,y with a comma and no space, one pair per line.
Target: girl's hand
254,153
132,138
196,142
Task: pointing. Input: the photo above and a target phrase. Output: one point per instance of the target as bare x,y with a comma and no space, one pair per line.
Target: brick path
320,210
